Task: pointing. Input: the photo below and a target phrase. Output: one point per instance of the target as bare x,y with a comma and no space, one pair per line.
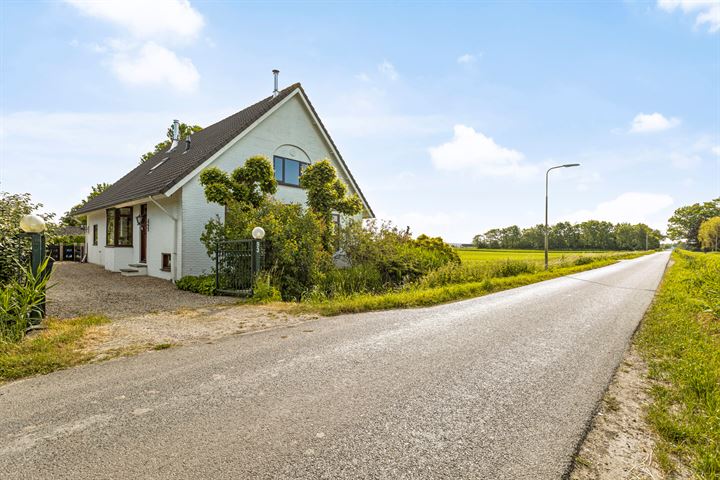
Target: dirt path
185,326
621,444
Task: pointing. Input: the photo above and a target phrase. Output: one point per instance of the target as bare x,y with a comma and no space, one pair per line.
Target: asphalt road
501,386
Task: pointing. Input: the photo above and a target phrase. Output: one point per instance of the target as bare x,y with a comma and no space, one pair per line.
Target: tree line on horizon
588,235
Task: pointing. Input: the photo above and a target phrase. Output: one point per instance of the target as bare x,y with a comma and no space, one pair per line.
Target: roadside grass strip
418,296
680,339
57,347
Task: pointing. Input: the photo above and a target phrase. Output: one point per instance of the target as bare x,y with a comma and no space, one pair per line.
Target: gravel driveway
83,288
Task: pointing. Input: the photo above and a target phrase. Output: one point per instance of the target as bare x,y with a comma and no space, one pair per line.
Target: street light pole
547,174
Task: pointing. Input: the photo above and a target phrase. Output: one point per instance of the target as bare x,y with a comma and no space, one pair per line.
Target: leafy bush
12,208
204,284
393,253
19,300
263,290
66,239
294,254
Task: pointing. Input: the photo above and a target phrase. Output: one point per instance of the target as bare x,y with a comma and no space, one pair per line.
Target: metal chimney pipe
175,134
275,90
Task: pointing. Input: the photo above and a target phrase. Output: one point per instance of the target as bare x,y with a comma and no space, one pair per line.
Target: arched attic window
289,161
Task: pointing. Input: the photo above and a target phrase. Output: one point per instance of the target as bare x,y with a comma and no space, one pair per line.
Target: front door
143,233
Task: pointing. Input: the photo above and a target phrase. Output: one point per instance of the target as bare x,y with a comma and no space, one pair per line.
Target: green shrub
12,208
19,300
293,240
263,289
204,284
393,253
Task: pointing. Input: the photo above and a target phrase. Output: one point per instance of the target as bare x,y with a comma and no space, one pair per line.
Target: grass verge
422,297
52,349
680,339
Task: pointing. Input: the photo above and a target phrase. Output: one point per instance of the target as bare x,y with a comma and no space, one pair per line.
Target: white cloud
652,122
716,150
158,19
388,69
466,59
137,56
708,11
476,152
632,207
155,65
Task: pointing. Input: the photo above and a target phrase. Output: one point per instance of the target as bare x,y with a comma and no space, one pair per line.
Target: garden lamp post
547,174
258,233
33,226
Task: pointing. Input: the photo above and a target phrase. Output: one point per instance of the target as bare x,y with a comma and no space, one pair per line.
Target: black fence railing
237,262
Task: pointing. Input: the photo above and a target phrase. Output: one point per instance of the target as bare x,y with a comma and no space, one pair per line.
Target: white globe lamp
32,224
258,233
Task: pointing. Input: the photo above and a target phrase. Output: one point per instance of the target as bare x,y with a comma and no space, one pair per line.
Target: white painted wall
95,252
161,235
288,132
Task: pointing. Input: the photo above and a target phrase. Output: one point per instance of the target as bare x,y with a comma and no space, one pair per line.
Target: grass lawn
473,255
52,349
680,339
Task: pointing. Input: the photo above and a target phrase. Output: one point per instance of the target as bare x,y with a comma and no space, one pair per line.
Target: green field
475,255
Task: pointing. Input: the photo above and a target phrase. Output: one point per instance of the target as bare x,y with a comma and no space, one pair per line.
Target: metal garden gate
236,264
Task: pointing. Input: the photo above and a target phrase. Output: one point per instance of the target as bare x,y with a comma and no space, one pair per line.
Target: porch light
258,233
32,224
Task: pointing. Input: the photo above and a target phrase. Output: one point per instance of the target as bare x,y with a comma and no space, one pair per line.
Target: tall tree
185,131
68,220
685,223
709,234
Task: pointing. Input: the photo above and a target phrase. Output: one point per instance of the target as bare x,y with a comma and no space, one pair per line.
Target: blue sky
447,115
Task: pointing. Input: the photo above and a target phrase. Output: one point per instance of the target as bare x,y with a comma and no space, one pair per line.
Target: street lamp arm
547,175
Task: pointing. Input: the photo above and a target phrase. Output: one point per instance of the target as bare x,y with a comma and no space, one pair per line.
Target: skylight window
157,165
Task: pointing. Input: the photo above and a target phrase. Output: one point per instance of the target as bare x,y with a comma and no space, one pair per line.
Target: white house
150,221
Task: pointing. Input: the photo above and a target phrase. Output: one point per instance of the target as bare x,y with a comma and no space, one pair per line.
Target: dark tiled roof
176,165
159,173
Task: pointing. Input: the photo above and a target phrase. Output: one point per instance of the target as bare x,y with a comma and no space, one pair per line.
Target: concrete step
134,270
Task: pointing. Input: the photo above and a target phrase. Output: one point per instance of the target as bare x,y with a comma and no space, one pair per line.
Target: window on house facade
118,228
288,171
166,262
95,234
336,221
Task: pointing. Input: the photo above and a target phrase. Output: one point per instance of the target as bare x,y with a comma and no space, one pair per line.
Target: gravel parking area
83,288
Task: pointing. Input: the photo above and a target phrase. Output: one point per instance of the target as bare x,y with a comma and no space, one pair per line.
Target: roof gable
163,170
167,171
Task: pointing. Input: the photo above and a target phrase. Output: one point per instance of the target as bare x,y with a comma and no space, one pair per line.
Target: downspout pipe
173,263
